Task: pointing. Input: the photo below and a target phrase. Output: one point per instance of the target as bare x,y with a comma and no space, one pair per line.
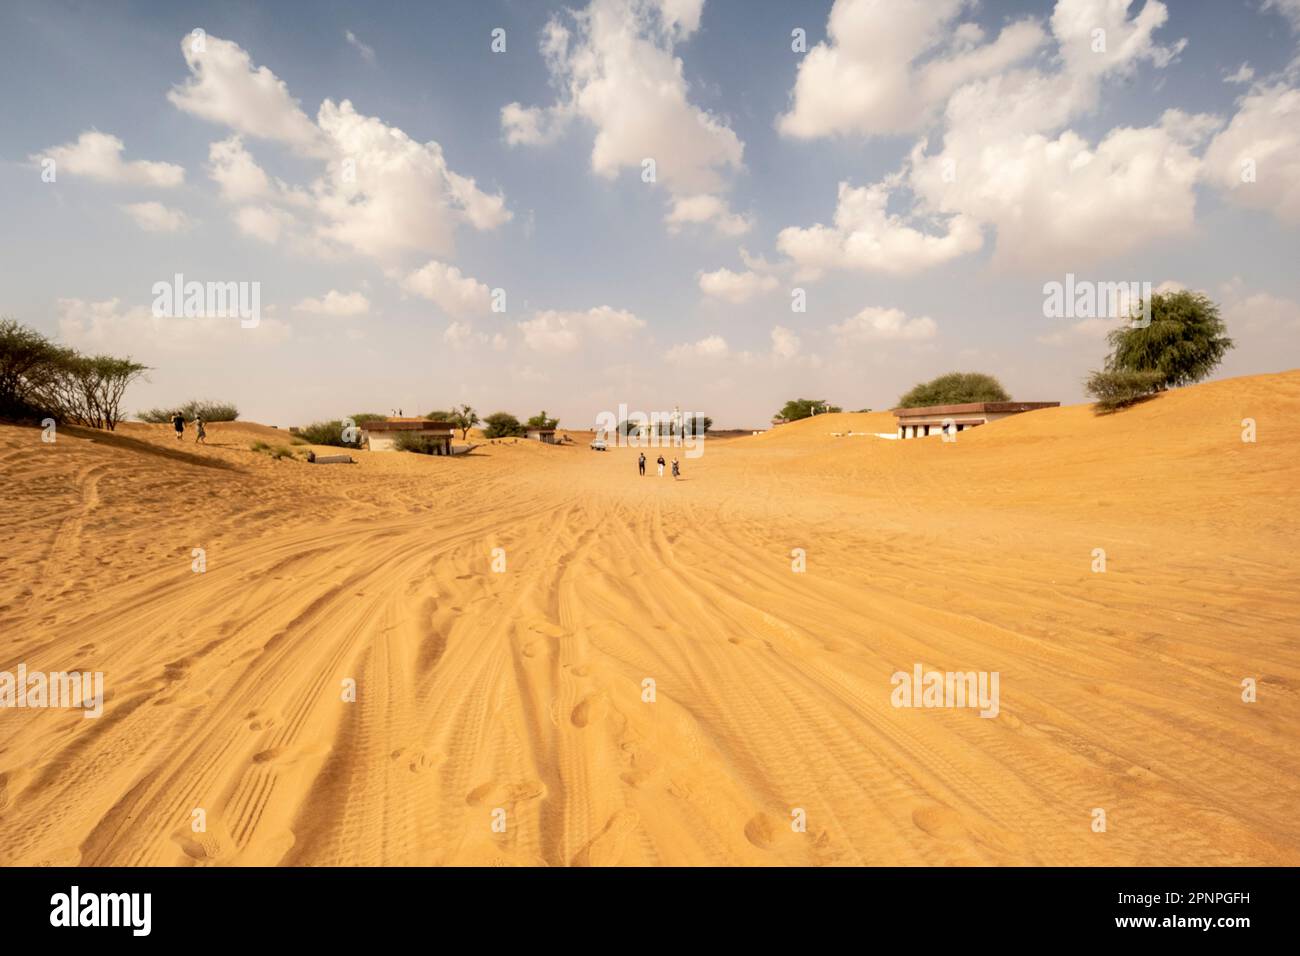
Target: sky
717,205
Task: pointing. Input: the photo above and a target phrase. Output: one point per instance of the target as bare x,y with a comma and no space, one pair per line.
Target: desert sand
522,691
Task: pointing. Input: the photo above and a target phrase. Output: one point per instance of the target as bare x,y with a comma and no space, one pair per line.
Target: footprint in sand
764,830
607,848
942,823
590,711
497,794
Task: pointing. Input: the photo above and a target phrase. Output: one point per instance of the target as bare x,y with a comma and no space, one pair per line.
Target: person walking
677,470
202,437
640,464
178,422
660,463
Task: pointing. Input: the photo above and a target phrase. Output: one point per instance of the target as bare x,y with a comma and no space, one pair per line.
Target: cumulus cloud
621,52
224,87
98,156
444,285
135,330
155,217
558,332
735,287
708,349
707,209
380,193
886,68
1287,8
335,304
875,324
866,236
785,344
1257,157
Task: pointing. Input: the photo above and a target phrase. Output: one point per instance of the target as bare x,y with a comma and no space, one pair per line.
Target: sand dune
480,692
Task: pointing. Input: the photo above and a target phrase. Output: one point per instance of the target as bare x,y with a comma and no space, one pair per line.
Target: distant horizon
719,205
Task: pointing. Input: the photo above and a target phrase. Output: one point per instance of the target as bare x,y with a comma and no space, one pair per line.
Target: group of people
178,422
677,468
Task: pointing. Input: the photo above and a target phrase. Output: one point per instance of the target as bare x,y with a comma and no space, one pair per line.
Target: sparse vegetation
465,418
1117,389
41,378
502,425
419,444
206,409
275,451
328,433
955,388
798,408
540,420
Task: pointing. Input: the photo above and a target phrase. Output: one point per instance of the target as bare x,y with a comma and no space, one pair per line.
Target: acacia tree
541,421
798,408
1185,341
464,418
502,425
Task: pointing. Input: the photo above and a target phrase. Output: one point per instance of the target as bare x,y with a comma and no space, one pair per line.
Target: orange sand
521,691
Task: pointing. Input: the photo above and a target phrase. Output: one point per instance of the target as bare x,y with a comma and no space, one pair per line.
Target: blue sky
821,170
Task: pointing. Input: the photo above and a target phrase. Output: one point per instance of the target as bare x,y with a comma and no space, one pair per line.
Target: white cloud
558,332
785,344
866,237
263,223
367,52
335,304
135,331
875,324
735,287
155,217
621,52
98,156
707,209
709,349
1264,135
1244,74
444,285
1287,8
224,87
885,68
381,194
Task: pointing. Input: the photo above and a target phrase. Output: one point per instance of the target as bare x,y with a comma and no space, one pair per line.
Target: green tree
25,355
1185,341
798,408
955,388
502,425
541,421
438,416
464,418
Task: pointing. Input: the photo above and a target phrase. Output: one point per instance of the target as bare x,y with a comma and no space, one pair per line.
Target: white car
599,445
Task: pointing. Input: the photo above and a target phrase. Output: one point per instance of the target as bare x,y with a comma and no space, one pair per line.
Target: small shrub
1114,389
419,444
328,433
206,409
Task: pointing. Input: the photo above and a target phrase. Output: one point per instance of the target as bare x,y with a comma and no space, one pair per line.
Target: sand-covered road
519,696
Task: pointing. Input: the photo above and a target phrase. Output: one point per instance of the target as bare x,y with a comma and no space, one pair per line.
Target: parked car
599,445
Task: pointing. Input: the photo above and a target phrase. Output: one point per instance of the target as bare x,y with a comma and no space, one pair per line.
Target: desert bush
540,420
417,443
362,418
955,388
798,408
207,409
1117,388
502,425
328,433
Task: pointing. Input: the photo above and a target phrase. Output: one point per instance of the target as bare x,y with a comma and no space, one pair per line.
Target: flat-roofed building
546,435
382,435
935,419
